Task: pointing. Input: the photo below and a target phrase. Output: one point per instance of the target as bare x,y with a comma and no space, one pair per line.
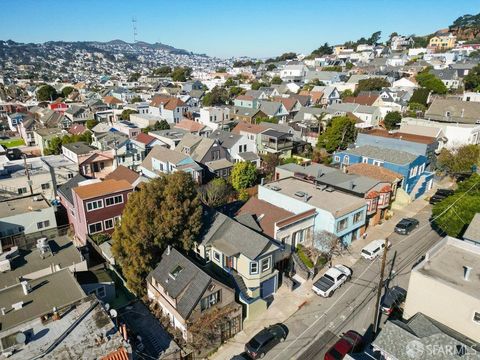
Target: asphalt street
317,325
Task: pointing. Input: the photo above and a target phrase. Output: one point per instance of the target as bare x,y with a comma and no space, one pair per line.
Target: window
476,317
108,224
364,160
43,224
216,255
240,147
336,158
265,264
253,267
94,205
216,155
346,159
69,175
342,224
45,186
299,237
377,162
99,292
210,300
357,217
95,227
22,190
117,199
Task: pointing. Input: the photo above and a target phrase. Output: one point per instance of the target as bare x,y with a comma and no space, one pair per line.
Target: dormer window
175,272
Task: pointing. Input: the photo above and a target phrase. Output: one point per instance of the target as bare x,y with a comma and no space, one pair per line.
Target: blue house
416,180
337,212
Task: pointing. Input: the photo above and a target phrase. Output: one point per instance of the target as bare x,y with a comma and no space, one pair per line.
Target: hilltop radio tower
134,24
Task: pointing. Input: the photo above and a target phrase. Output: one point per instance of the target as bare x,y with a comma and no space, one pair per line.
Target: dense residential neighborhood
161,204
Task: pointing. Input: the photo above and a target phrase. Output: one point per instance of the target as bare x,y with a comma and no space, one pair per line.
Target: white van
374,249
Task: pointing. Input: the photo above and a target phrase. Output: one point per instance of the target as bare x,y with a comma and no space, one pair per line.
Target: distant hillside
466,27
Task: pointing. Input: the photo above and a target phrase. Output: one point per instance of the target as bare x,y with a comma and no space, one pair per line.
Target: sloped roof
247,127
123,173
109,100
375,172
189,125
145,138
384,154
66,189
102,188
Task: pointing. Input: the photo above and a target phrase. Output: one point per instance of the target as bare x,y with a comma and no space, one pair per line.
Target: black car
265,340
392,299
405,226
439,195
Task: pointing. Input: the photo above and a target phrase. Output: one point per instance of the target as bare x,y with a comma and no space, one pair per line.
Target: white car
332,280
374,249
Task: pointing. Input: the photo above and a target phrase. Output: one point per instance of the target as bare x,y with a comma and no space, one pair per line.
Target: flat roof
58,289
445,263
64,253
17,206
336,202
102,188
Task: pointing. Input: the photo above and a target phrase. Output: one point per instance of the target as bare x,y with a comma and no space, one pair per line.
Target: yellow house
443,42
338,49
247,256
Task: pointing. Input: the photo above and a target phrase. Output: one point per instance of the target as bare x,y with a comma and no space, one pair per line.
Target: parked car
350,342
392,299
439,195
406,226
332,280
374,249
265,340
242,356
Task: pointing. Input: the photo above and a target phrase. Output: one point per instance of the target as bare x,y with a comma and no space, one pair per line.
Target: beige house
247,256
442,42
445,286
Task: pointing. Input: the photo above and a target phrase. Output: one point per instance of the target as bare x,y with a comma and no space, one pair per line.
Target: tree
166,211
134,77
136,99
416,110
221,69
271,120
372,84
325,49
55,145
257,85
332,68
215,193
328,243
216,96
339,134
229,82
392,119
346,93
125,115
234,91
453,214
159,125
47,93
271,67
181,74
460,160
67,90
420,96
349,65
276,80
269,163
373,39
472,80
431,82
243,175
91,123
163,71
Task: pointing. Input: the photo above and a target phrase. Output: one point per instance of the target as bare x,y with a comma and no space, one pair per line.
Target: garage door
267,287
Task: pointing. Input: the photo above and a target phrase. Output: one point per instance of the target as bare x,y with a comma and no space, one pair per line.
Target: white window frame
96,232
346,160
268,261
336,158
114,198
377,162
45,186
364,160
98,202
473,317
215,254
105,224
253,264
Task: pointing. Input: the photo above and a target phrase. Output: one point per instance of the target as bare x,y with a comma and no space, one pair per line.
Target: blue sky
226,28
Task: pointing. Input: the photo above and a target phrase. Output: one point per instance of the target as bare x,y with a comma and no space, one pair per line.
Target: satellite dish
107,306
20,338
113,313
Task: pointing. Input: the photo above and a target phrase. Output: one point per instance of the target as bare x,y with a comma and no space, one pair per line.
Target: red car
350,342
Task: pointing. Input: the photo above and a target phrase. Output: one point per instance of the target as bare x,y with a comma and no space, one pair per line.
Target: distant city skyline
226,29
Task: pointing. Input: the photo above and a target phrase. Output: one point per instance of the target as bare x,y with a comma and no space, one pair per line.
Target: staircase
241,287
300,268
420,187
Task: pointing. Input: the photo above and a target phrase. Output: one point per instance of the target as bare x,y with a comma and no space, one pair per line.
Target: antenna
134,24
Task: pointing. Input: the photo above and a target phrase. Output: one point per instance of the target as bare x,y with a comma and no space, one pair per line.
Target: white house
214,117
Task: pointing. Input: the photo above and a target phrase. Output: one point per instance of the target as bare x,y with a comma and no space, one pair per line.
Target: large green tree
453,214
243,175
47,93
217,96
215,193
340,132
372,84
67,90
460,160
125,115
181,74
420,96
163,71
166,211
431,82
472,80
276,80
392,119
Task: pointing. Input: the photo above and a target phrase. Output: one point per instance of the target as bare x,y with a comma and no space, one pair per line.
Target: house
168,108
127,128
442,42
276,142
284,226
378,193
124,173
446,278
123,149
44,175
215,117
161,160
98,206
144,143
274,109
245,255
170,137
404,83
400,42
26,129
91,162
247,115
330,95
422,337
193,127
251,131
246,101
326,77
416,180
471,96
145,120
201,149
14,119
26,215
113,102
369,115
339,213
239,147
43,136
185,293
448,76
397,140
294,72
78,114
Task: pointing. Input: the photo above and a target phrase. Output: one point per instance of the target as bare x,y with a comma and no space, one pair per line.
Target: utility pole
380,287
27,172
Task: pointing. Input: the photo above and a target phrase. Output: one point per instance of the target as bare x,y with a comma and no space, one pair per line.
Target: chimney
168,250
463,111
2,310
25,287
466,272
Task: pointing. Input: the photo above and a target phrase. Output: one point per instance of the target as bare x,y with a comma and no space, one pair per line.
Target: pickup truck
332,280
